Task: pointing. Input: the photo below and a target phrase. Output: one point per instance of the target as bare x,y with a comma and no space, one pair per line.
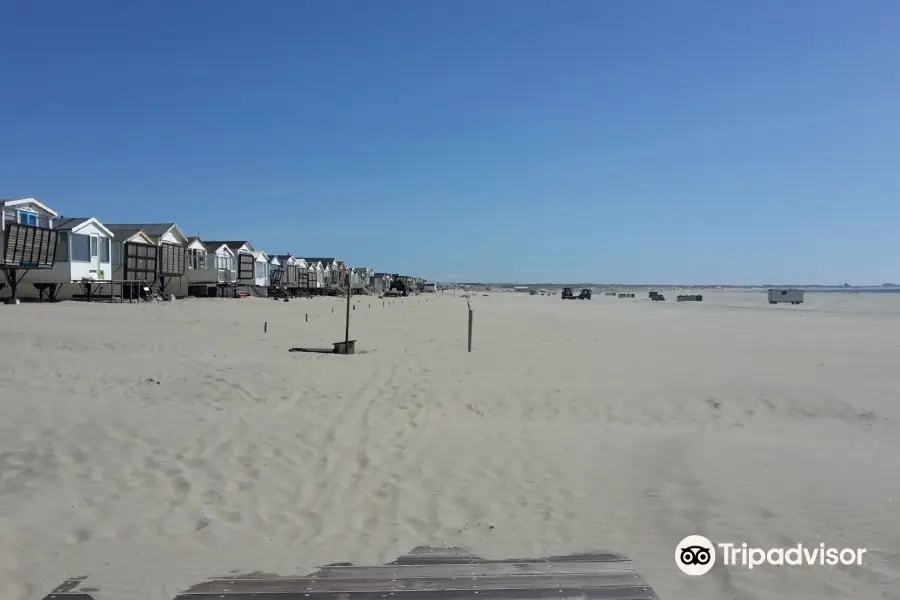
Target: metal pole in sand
347,325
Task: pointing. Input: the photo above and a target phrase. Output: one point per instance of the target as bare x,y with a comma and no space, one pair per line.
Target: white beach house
333,272
211,268
81,261
83,248
290,267
316,275
245,265
261,272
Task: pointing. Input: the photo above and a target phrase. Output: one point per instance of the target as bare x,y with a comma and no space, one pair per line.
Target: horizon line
694,285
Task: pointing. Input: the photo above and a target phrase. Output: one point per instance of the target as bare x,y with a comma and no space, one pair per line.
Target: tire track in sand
360,427
344,456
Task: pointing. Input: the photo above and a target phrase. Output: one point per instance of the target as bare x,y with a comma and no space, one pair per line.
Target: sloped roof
214,247
232,245
15,201
324,261
68,224
208,246
124,231
153,230
194,240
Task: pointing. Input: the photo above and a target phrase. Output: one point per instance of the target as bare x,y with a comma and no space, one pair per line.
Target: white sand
149,446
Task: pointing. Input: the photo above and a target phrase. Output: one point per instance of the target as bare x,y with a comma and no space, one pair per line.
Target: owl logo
695,555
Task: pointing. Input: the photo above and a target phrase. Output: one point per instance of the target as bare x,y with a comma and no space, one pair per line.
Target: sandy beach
149,446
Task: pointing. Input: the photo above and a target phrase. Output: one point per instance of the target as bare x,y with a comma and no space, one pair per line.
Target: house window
104,250
225,262
81,247
95,246
28,218
62,247
196,259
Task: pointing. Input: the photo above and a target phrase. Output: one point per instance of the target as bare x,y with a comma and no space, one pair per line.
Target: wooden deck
427,573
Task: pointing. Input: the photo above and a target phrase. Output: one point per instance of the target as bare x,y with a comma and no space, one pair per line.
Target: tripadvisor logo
696,555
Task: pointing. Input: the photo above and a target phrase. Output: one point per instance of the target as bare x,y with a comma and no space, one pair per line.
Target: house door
95,254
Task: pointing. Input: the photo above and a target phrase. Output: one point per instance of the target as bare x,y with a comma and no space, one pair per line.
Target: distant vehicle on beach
792,296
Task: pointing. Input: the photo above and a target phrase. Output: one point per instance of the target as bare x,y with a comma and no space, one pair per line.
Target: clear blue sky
563,140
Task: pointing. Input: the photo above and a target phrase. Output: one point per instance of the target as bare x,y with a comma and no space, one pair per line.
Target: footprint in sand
311,522
213,497
79,536
232,516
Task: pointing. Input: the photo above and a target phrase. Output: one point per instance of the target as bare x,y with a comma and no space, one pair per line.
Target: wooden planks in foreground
431,573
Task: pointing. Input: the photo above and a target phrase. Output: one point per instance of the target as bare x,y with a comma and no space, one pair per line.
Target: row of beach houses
47,256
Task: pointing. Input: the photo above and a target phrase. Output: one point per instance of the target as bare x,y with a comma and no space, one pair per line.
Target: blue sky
514,140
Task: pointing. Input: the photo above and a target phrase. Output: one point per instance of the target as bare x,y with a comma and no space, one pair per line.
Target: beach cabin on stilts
381,282
339,272
244,264
27,241
318,276
288,267
83,265
170,245
134,271
211,269
276,273
261,274
306,277
362,280
333,275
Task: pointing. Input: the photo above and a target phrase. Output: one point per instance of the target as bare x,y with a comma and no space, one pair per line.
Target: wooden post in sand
470,324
